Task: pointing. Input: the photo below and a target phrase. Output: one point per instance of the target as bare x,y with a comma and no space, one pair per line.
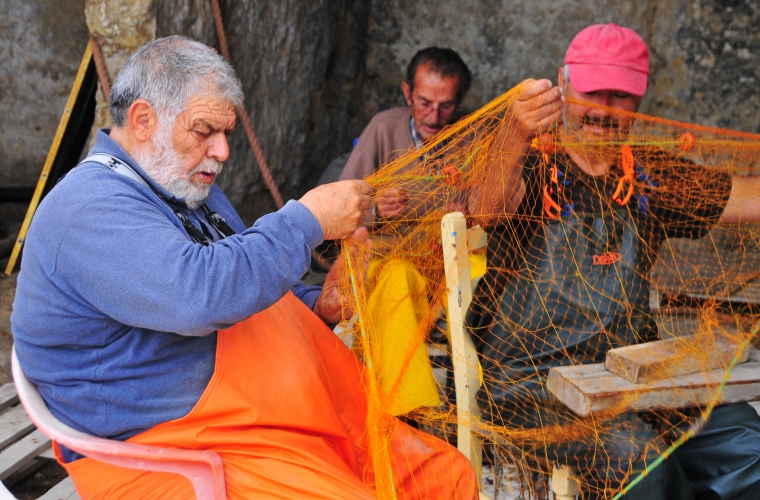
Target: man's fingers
391,193
366,202
549,121
550,97
360,234
548,110
532,88
364,187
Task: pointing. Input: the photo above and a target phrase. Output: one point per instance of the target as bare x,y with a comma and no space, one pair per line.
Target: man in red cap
579,252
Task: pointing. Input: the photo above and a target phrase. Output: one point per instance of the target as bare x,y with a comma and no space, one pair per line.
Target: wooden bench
24,449
586,389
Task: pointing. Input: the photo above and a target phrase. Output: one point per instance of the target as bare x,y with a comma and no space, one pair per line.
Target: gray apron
579,289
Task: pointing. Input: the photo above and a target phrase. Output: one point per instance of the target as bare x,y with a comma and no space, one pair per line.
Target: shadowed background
316,71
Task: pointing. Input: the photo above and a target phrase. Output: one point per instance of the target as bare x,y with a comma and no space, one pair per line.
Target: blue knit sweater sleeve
177,285
116,307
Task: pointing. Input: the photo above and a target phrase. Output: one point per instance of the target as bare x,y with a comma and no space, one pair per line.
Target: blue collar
104,144
415,136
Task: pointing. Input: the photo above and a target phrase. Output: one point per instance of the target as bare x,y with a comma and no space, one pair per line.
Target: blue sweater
116,309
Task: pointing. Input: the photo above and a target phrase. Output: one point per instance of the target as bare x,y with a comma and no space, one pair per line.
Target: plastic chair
204,469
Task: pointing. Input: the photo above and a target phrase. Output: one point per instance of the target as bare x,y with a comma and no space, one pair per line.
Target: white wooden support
464,357
565,483
476,238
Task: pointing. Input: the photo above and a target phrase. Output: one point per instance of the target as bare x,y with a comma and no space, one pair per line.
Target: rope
248,127
263,167
100,67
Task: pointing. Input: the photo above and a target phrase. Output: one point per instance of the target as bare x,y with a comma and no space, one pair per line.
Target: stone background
316,71
41,46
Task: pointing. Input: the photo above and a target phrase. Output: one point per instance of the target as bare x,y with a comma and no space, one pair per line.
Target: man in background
437,81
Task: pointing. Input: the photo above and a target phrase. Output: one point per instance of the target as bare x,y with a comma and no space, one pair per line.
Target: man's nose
435,113
219,149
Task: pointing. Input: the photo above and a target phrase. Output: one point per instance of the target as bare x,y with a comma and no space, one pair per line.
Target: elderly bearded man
147,312
550,317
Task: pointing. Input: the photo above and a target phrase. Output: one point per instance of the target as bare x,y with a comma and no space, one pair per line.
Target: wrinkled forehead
208,108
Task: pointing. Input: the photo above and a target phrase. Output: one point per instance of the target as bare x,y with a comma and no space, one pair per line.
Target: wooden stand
669,358
565,483
456,255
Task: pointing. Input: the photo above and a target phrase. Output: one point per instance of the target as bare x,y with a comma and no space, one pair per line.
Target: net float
687,142
451,176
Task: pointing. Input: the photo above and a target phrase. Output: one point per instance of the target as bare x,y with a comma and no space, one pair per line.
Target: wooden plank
715,267
52,153
47,454
672,358
22,452
464,359
586,389
23,472
13,424
62,491
8,396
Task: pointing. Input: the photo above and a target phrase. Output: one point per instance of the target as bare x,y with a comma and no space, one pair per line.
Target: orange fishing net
582,265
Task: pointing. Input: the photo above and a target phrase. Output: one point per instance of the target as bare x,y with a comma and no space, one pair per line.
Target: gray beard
165,166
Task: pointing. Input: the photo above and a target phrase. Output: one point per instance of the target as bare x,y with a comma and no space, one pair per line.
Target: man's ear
142,120
407,93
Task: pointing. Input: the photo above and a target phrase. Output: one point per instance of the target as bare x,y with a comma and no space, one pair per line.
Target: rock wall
705,53
316,71
41,46
299,64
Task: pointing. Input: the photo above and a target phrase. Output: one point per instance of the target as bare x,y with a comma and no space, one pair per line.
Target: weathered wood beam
587,389
672,358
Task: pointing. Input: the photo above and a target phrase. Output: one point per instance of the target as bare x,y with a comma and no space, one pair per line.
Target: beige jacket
386,137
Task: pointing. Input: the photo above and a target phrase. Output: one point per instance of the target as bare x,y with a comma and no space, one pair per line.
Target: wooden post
79,87
464,357
565,484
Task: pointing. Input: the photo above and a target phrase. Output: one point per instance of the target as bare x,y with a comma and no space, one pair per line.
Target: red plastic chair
204,469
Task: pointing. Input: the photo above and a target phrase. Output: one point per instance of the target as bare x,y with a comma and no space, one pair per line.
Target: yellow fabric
397,319
478,267
397,307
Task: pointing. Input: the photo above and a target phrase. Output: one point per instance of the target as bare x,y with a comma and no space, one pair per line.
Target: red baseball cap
608,57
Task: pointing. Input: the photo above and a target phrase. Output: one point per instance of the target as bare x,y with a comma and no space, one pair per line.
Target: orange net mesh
581,265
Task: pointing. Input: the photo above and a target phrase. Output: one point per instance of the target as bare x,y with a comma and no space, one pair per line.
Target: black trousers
721,463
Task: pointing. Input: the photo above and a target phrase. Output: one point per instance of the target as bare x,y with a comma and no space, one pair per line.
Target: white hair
166,167
167,73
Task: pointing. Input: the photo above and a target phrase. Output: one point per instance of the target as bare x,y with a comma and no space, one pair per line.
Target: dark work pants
721,463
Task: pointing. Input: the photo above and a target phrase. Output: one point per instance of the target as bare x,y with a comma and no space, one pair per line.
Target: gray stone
315,72
705,53
41,45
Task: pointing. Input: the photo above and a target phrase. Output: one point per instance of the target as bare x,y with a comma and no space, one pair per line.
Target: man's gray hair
168,72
